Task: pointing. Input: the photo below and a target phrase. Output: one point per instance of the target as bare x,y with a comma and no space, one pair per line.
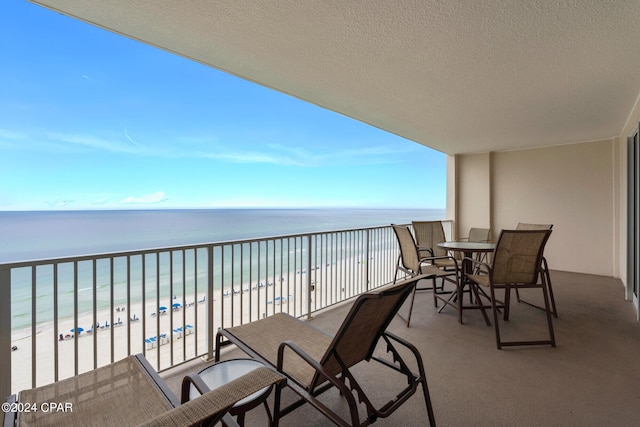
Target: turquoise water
37,235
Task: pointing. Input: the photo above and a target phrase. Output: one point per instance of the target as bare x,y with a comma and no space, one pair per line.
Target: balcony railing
64,316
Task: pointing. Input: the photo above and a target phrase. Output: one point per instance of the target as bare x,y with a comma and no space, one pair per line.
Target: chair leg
427,397
507,302
276,405
552,336
395,276
495,318
435,297
553,301
475,291
413,297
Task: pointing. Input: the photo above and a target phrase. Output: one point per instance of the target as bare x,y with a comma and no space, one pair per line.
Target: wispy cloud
93,142
126,134
252,157
157,197
318,155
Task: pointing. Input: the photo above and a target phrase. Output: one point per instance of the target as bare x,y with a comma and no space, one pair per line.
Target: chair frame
325,376
545,269
496,305
410,263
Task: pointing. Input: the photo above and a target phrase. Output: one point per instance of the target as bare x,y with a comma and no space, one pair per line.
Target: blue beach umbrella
162,308
176,305
79,330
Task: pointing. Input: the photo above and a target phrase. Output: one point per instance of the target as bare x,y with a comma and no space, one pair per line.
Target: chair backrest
408,250
361,329
428,234
527,226
518,256
479,234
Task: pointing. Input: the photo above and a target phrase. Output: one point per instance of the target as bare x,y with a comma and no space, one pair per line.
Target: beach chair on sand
315,362
130,393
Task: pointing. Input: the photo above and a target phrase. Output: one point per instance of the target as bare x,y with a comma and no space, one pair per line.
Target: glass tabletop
468,246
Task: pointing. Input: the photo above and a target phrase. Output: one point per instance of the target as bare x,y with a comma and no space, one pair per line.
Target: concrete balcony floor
592,377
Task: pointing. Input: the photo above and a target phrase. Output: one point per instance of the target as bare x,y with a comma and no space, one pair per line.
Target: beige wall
570,186
473,201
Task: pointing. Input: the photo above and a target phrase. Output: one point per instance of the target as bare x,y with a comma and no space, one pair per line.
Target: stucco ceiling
457,76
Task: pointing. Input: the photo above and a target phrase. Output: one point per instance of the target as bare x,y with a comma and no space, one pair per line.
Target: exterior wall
474,201
570,186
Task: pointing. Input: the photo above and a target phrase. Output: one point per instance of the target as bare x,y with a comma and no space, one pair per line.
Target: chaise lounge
315,362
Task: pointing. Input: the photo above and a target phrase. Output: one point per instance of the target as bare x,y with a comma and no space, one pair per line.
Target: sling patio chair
129,393
480,235
545,267
413,265
428,234
315,362
516,264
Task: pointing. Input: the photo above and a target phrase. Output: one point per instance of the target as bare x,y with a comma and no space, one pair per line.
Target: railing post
211,333
308,269
368,263
5,332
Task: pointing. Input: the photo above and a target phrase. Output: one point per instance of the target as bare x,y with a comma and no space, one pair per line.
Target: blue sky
93,120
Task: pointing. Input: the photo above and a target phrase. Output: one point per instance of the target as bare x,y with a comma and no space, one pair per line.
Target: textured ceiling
457,76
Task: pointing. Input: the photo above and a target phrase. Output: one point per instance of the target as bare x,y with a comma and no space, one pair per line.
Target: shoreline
171,346
332,281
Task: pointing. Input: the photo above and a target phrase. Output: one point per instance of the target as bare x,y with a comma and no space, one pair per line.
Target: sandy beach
230,307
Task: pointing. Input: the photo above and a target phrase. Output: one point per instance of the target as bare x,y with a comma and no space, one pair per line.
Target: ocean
53,234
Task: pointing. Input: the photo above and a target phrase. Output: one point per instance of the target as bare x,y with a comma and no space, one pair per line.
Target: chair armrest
213,405
195,380
311,361
425,248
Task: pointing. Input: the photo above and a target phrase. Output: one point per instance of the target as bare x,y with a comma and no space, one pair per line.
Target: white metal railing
66,316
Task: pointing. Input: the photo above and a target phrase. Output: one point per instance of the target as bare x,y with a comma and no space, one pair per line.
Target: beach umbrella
176,305
79,330
162,308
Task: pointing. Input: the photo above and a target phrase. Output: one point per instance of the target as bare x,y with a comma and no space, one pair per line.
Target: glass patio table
468,249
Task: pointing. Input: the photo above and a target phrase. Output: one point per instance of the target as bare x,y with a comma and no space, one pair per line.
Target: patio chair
129,392
315,362
545,267
516,265
428,235
480,235
413,265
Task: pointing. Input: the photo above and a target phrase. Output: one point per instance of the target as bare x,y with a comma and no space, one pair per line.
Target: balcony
589,379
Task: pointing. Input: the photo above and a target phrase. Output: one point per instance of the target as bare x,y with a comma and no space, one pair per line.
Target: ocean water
48,234
53,234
